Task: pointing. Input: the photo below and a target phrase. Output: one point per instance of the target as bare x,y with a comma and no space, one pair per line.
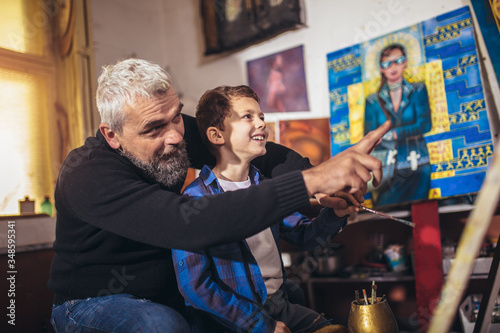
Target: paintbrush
411,224
374,293
366,298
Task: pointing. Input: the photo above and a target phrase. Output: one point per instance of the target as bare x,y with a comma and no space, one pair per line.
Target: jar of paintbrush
371,314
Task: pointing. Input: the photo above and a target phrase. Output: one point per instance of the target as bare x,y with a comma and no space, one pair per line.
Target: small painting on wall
273,131
279,80
308,137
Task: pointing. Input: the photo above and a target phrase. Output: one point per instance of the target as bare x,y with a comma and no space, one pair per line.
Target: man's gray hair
121,84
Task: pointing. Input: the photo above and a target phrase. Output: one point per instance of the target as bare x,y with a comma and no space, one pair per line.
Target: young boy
240,285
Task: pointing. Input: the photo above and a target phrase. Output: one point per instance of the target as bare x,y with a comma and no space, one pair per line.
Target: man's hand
348,171
342,200
342,203
281,328
352,204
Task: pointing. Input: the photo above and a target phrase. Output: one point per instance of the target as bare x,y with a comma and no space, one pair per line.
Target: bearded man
120,212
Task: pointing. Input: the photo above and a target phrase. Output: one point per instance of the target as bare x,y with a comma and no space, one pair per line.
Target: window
27,95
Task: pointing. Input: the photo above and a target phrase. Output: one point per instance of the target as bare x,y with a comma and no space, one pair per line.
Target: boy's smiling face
245,133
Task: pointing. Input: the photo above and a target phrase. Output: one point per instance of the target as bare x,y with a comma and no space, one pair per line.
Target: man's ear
110,136
214,135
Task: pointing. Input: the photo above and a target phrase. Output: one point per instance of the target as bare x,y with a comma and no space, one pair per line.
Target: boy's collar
208,177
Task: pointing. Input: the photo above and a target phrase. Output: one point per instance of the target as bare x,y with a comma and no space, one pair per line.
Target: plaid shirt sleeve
200,290
305,234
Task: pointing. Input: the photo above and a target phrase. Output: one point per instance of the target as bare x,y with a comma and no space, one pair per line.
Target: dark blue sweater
115,227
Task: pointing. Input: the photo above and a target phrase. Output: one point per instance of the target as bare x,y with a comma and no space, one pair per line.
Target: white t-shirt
262,246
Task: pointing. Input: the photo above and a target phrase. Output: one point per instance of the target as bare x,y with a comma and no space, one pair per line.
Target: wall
170,33
128,28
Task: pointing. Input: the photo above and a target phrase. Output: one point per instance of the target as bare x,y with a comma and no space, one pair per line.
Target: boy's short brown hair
215,106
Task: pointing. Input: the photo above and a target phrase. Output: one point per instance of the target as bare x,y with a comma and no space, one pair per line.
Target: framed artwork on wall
308,137
279,80
234,24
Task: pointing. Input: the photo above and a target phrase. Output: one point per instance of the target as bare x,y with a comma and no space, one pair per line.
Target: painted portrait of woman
403,149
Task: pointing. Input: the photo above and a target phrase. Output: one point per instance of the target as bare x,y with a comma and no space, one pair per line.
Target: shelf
31,233
476,277
22,216
333,279
364,216
333,294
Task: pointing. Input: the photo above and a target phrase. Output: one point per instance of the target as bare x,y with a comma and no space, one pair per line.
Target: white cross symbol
391,157
413,158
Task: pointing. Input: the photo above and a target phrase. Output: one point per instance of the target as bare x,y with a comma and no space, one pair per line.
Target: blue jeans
116,313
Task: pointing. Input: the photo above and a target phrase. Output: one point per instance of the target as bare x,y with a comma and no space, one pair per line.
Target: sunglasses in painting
387,64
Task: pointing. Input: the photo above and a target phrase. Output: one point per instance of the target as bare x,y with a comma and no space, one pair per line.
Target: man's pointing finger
371,139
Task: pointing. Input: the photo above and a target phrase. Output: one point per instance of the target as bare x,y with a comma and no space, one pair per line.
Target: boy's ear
110,136
215,136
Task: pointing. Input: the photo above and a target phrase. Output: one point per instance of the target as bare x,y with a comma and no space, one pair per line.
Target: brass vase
372,318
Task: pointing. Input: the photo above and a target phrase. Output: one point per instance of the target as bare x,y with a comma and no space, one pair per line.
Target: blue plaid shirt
225,280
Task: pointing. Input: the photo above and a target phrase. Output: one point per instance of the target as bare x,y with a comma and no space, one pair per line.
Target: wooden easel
489,295
470,242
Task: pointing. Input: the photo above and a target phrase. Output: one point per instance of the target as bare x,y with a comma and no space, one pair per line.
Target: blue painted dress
406,160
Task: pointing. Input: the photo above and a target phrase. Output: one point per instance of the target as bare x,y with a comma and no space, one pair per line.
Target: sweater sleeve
306,234
106,191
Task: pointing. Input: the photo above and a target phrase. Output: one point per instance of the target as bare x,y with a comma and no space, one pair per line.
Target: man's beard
168,169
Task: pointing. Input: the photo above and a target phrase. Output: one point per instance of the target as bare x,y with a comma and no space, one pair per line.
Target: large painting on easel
426,79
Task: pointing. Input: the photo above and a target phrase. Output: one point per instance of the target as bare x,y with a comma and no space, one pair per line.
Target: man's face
152,138
245,131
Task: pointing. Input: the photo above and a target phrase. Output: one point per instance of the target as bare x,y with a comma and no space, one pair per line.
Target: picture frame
233,24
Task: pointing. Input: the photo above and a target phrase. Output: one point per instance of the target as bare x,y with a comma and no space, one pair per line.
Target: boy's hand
350,170
281,328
